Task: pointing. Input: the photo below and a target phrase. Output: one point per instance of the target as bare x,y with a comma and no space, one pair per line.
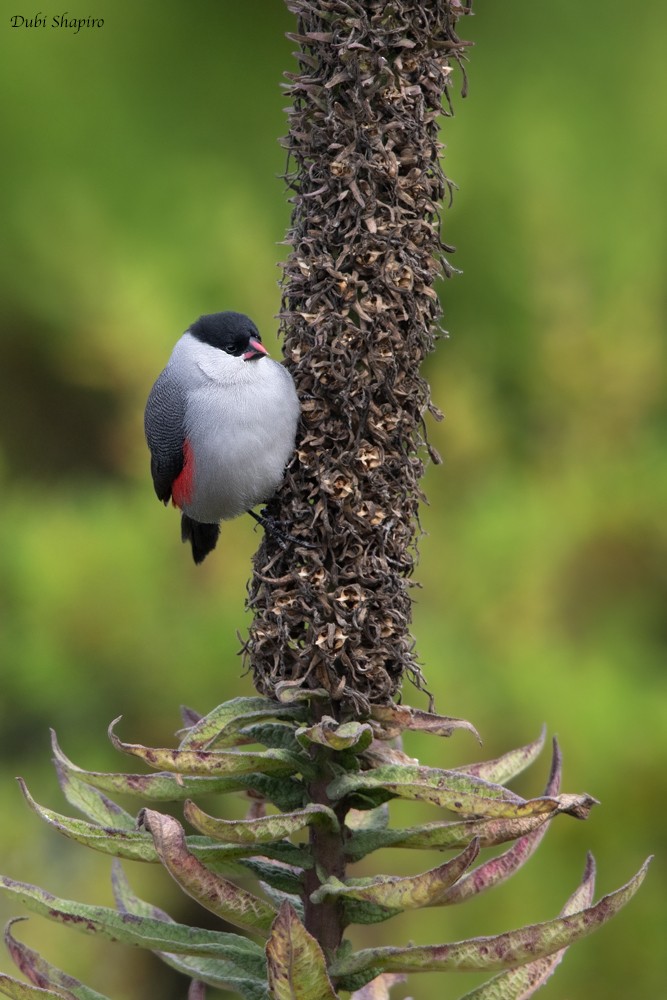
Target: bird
220,423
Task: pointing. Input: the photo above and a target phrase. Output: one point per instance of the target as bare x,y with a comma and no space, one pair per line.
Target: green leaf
284,878
42,973
220,727
502,867
246,977
445,836
123,843
209,762
296,966
210,890
501,951
91,802
491,832
17,990
523,982
450,789
275,735
156,935
337,736
397,894
162,787
502,769
135,845
287,794
261,830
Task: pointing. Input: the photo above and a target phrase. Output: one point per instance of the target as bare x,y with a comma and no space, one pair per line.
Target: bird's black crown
229,331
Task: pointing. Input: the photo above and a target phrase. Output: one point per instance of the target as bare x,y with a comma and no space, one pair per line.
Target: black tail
202,537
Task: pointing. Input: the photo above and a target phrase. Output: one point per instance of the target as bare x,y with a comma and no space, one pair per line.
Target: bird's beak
256,350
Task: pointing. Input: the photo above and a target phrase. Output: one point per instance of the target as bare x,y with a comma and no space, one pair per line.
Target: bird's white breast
241,419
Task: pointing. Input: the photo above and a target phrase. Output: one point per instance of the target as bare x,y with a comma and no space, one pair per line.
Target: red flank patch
183,485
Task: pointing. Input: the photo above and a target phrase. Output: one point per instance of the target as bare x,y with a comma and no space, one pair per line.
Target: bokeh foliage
138,191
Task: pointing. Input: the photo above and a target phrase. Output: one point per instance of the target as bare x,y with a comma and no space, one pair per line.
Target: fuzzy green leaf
503,768
284,878
451,835
338,736
220,727
42,973
296,966
209,762
274,735
399,894
523,982
210,890
91,802
446,836
449,789
262,829
500,868
123,843
17,990
501,951
135,845
246,978
162,787
155,935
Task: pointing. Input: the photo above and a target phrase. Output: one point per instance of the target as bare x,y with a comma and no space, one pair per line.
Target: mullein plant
319,749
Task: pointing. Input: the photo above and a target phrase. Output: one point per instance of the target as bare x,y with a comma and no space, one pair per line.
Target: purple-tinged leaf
380,754
210,762
295,962
502,769
502,867
162,787
397,894
395,719
446,836
221,726
379,988
491,832
156,935
262,830
449,789
91,802
523,982
17,990
134,845
246,975
501,951
130,844
42,973
327,732
216,894
189,716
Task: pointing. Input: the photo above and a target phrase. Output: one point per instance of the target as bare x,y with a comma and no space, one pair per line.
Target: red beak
256,350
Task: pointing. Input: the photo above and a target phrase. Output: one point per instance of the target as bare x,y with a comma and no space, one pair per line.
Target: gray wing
164,424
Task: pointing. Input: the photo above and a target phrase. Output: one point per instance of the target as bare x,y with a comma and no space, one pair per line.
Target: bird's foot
277,530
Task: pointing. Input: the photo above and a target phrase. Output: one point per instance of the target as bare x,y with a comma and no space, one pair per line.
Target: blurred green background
139,189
